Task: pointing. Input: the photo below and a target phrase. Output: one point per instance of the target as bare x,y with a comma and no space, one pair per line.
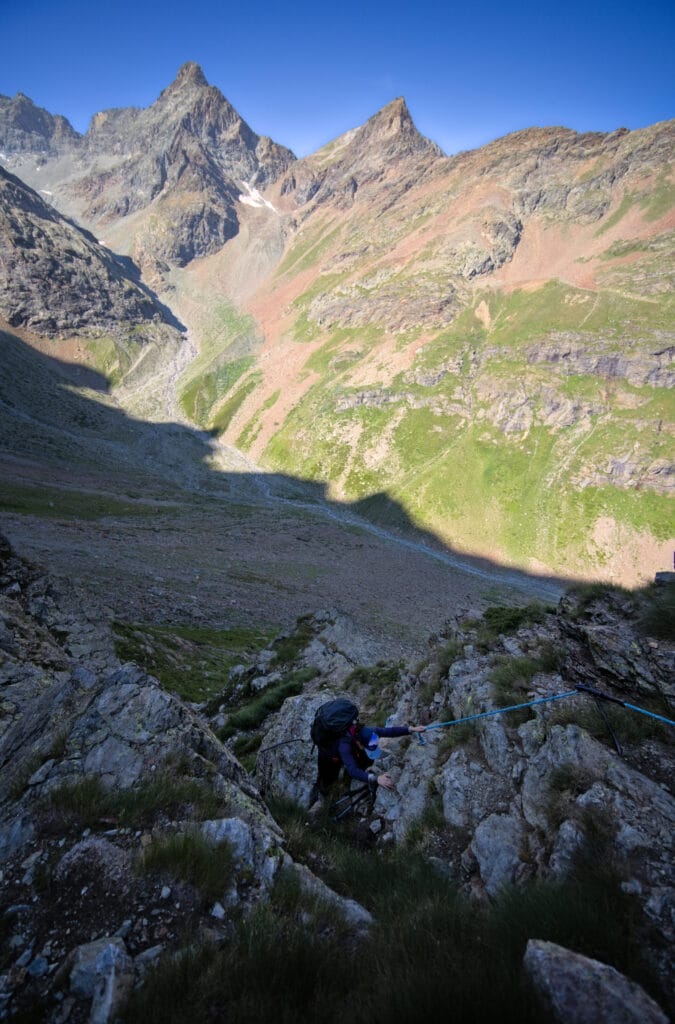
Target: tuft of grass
454,736
289,648
255,711
657,618
448,655
585,595
245,748
430,948
511,677
191,857
22,774
87,803
502,620
380,682
566,783
629,726
421,834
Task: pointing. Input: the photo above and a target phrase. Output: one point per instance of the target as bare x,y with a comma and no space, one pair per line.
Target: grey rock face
497,845
354,914
186,155
93,961
578,990
54,277
26,128
290,769
97,857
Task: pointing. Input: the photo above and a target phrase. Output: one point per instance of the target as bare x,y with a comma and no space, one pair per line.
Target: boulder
95,962
578,990
354,914
497,845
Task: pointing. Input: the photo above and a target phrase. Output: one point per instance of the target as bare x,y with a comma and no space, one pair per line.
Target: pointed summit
189,74
393,129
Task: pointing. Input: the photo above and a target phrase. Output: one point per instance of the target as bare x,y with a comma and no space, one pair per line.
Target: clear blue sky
304,72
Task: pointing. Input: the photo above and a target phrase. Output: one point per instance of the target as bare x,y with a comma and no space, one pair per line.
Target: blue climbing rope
545,700
501,711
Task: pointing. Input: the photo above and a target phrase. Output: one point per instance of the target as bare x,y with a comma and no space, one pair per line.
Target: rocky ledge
106,777
101,772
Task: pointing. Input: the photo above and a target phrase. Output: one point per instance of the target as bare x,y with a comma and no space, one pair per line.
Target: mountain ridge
378,296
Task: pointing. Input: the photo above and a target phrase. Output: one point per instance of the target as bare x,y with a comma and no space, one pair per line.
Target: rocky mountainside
56,279
488,338
25,128
129,828
522,795
485,339
176,168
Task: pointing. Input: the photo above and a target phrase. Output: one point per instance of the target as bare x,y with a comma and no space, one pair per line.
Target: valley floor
177,557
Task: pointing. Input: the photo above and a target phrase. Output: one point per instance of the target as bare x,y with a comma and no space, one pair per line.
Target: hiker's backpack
332,720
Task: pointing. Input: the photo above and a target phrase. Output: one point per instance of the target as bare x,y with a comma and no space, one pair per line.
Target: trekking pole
350,801
604,717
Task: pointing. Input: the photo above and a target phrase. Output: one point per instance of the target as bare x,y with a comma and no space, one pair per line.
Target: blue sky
306,72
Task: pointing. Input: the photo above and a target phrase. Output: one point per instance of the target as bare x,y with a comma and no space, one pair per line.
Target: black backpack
332,720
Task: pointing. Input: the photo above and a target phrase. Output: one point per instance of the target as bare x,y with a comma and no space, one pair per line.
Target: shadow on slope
267,538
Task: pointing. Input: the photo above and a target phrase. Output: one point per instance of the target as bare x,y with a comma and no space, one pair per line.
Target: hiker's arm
397,730
347,758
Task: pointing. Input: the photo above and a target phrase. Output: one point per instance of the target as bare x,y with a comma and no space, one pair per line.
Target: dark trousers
329,768
328,771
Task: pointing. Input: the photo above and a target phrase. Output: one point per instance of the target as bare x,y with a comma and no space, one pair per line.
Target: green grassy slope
494,438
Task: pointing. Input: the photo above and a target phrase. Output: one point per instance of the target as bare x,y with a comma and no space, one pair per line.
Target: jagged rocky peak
189,74
186,155
25,127
387,143
394,126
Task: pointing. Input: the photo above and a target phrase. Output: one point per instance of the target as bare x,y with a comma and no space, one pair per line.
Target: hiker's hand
386,781
416,728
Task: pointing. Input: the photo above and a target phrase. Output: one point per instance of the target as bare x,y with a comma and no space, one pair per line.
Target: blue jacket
345,751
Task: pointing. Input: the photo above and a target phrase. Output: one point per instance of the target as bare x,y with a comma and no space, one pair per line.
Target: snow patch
253,198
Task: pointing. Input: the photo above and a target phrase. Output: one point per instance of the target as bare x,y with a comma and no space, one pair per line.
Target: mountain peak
190,74
393,126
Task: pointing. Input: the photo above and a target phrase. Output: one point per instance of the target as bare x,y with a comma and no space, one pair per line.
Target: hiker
354,747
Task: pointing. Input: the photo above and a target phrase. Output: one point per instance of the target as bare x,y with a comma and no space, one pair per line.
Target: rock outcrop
27,128
87,740
55,278
521,800
578,990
